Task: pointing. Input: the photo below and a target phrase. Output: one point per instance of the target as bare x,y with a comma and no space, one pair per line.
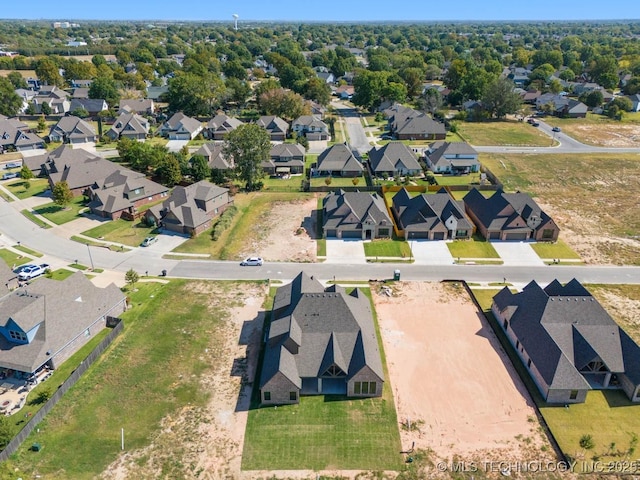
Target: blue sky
350,10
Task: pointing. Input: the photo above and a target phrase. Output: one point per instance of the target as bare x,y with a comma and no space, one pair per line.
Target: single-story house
181,127
310,127
434,217
46,322
275,126
284,159
218,127
73,130
360,215
320,341
136,105
394,158
129,125
408,124
190,209
93,106
215,156
509,216
568,342
561,106
452,158
14,135
338,161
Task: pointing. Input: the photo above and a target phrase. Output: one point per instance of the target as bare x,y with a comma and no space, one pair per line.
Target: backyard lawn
60,215
387,248
338,181
121,231
37,186
503,133
477,247
447,180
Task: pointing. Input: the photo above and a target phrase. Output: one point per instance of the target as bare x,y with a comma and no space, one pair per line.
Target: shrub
223,222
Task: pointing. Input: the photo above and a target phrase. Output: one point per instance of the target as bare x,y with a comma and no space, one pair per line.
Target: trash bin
35,447
164,273
396,274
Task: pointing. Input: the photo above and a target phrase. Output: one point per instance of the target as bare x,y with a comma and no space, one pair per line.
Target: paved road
357,137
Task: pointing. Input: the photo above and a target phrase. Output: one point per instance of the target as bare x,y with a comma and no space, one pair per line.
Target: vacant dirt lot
606,134
451,379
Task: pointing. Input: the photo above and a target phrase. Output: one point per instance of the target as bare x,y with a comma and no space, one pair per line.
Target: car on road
251,262
149,241
556,129
32,271
535,124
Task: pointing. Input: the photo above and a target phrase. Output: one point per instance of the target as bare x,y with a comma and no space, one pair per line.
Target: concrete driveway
517,253
345,251
167,241
431,252
176,145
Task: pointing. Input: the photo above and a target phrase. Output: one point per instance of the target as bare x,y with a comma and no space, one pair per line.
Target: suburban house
92,106
338,161
452,158
190,209
635,102
360,215
80,92
392,159
14,135
321,341
139,106
215,156
408,124
46,322
568,342
181,127
7,277
509,216
157,94
218,127
129,125
345,92
285,159
276,127
57,99
434,217
73,130
310,127
561,106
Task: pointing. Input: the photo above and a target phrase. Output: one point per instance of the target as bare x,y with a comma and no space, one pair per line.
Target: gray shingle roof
273,124
393,157
213,152
429,212
352,208
340,158
222,124
454,153
129,123
73,128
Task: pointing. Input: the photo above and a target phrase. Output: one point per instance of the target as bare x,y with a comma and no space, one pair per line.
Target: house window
529,363
267,396
505,325
461,233
372,387
18,335
547,233
293,396
365,388
517,344
573,395
356,388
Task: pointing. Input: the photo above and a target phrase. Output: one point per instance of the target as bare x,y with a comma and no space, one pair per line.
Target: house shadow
617,398
247,368
487,332
309,223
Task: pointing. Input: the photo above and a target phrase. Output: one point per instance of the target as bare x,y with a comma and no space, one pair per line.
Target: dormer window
20,336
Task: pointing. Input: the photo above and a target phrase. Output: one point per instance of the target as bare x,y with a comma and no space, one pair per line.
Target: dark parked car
556,129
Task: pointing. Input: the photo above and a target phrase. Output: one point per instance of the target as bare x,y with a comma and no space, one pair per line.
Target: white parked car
149,241
251,262
32,271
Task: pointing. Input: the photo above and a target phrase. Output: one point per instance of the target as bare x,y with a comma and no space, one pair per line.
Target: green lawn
446,180
5,197
557,249
277,184
12,259
60,215
387,248
337,181
60,274
150,373
38,221
84,241
28,251
503,133
121,231
325,432
37,186
474,248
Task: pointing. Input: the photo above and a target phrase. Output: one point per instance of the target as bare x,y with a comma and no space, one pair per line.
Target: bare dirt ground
607,135
455,389
290,236
208,441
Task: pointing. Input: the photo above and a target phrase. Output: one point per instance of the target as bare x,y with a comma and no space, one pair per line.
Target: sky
323,10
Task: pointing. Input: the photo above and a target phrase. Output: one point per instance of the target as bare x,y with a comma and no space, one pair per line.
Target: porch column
607,379
319,385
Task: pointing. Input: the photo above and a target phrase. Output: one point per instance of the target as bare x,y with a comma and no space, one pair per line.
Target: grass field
585,194
28,251
503,133
38,221
477,247
387,248
557,249
121,231
150,372
447,180
60,274
37,186
323,432
337,181
12,259
600,130
60,215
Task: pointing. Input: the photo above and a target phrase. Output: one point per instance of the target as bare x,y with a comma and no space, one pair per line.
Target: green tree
369,87
195,94
283,103
17,80
199,168
168,170
249,146
238,91
131,277
45,108
500,98
10,101
6,431
42,124
318,90
61,193
49,73
623,103
105,88
26,173
592,99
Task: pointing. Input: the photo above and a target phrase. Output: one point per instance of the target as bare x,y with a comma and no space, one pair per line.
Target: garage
516,236
351,234
417,235
494,235
438,235
331,233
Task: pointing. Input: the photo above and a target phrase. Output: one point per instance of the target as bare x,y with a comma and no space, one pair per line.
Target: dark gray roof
223,123
12,132
273,124
562,329
120,189
334,328
407,121
392,157
73,128
129,123
454,153
91,105
180,120
353,208
214,154
287,150
136,105
429,212
60,310
338,157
